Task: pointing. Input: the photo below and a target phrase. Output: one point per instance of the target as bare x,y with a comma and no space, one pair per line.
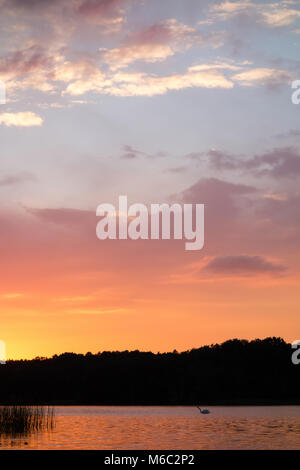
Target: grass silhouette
21,420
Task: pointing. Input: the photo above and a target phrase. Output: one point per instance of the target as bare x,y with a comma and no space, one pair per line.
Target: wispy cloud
12,296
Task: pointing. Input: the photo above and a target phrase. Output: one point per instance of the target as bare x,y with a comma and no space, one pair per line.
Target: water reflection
168,428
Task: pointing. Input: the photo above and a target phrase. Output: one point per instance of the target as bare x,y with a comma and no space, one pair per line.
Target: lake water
100,427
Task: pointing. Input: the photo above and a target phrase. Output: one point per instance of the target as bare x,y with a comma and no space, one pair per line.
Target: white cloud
141,84
123,56
274,15
220,74
263,76
22,119
279,14
228,8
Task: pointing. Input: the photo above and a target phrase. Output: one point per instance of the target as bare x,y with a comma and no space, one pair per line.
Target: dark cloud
243,265
278,163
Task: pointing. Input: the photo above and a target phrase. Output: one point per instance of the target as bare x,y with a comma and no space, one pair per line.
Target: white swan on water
205,411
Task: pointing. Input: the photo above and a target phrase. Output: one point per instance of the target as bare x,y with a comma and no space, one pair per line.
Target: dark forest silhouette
235,372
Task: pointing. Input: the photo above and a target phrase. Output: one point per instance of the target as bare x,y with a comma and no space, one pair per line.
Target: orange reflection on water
167,428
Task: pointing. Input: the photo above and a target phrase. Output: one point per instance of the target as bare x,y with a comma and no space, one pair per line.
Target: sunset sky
163,101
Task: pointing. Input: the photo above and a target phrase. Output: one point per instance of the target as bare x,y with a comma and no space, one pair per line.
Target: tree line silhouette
233,373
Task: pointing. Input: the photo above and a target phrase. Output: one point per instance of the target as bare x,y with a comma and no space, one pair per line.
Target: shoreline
203,404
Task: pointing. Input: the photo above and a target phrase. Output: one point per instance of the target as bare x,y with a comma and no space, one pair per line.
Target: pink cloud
219,196
105,8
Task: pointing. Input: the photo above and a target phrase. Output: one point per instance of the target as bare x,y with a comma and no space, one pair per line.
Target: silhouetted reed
23,420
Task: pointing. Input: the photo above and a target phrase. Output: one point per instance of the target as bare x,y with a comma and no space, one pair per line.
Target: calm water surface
100,427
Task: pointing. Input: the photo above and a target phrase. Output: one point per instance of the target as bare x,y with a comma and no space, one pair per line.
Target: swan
205,411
